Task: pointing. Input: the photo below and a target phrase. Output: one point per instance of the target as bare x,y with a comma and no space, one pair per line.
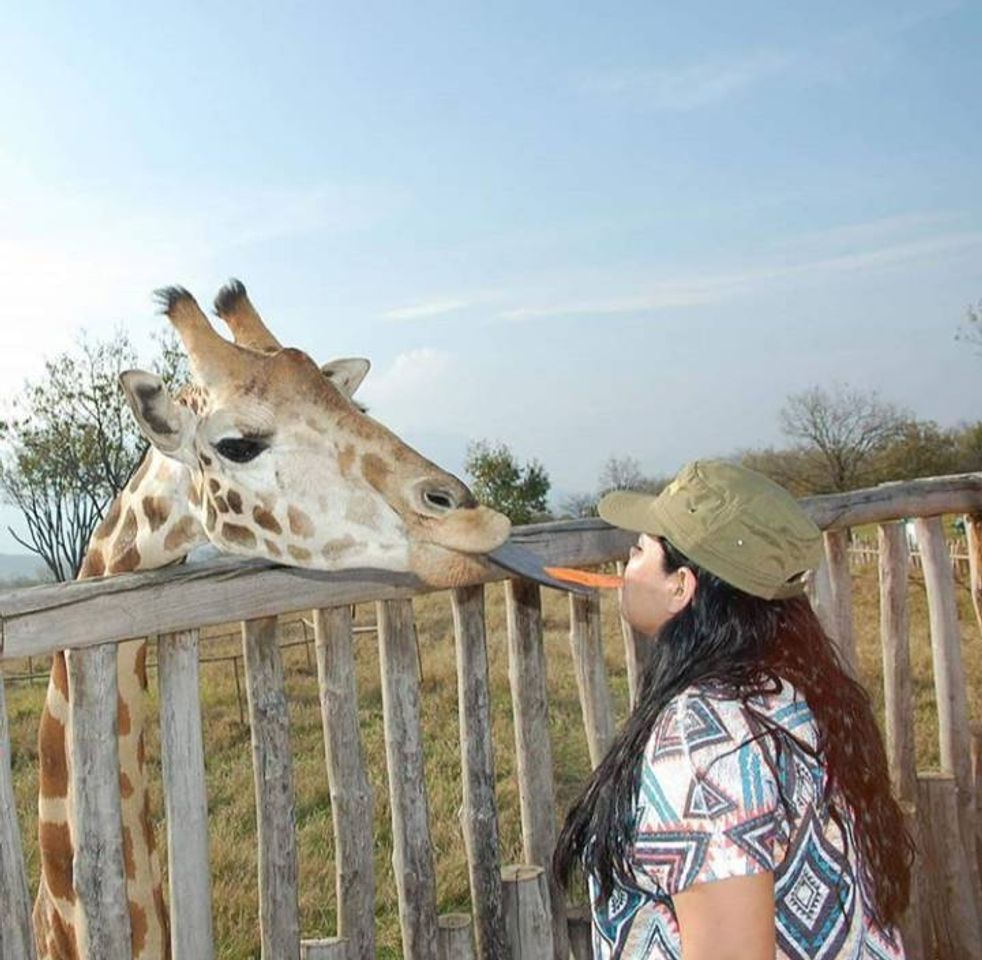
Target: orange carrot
604,581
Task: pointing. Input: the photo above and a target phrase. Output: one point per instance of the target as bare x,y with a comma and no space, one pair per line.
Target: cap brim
631,510
525,563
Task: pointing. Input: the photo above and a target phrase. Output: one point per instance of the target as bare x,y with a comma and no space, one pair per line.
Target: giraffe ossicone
267,455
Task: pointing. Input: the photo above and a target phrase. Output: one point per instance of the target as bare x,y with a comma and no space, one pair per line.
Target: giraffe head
285,465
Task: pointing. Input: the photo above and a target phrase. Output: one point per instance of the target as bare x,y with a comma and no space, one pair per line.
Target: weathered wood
973,538
328,948
479,813
818,587
528,925
455,939
929,497
16,932
98,829
272,767
533,745
412,853
897,681
352,802
976,751
586,646
953,903
581,933
915,924
837,558
636,648
185,797
41,619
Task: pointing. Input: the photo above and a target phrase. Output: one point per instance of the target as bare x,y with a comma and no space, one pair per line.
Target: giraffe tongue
525,563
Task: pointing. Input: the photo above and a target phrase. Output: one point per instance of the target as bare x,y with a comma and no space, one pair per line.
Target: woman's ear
685,590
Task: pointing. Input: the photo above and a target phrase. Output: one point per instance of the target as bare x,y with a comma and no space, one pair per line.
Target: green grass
229,771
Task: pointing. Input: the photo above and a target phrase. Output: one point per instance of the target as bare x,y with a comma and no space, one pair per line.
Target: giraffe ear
346,374
169,426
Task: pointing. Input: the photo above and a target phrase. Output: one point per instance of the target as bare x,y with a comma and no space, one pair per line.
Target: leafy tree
840,435
518,491
72,444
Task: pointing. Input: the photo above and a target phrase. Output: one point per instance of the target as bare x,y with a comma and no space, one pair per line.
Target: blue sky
626,229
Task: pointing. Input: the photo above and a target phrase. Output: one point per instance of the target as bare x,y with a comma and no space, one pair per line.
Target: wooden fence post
185,797
527,921
352,802
272,769
16,931
581,933
818,587
455,940
412,854
949,677
586,646
953,903
533,745
895,641
840,580
973,540
479,813
915,925
98,829
327,948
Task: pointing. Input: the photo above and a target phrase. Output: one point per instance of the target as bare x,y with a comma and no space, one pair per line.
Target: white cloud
690,86
412,384
433,308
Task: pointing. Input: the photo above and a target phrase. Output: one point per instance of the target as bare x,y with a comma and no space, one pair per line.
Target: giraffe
266,455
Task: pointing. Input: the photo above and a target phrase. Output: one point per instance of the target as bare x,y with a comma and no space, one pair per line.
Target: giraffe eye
240,449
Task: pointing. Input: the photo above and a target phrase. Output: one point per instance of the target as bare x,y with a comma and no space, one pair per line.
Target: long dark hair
748,646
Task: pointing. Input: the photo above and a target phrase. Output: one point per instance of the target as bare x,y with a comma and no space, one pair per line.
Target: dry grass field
228,758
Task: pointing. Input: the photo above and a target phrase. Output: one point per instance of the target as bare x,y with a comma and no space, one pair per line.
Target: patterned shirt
708,808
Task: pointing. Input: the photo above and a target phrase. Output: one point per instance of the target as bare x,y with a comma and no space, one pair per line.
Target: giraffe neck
152,523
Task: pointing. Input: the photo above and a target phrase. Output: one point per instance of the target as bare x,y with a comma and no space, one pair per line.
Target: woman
744,811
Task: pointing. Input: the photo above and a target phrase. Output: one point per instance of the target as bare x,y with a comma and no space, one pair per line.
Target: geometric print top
708,808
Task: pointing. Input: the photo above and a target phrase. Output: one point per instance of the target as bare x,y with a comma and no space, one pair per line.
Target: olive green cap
733,522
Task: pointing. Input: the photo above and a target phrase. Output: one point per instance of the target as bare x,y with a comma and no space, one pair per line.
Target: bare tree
971,329
840,434
72,444
624,473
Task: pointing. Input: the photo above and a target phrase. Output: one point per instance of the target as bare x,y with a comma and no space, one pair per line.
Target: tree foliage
71,444
517,490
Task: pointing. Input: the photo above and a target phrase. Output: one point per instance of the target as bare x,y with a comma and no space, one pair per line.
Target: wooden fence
516,909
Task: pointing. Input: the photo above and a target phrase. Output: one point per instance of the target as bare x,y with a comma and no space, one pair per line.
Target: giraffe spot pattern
140,666
234,501
128,862
375,470
346,460
266,520
59,674
220,503
235,533
138,928
213,485
93,565
57,860
300,524
109,521
53,757
125,786
156,510
125,555
273,549
123,726
65,944
181,533
141,472
299,554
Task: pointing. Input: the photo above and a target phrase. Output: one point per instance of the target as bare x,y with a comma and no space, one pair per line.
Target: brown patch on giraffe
147,823
181,533
361,509
125,556
332,548
195,494
138,928
235,501
299,554
109,521
274,550
162,919
141,753
210,516
141,472
125,786
213,485
266,520
57,858
93,565
206,460
300,524
59,674
65,942
346,460
235,533
156,510
53,756
163,471
123,725
140,666
128,862
220,503
375,470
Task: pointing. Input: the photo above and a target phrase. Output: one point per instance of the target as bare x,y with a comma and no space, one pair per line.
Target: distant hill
21,566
